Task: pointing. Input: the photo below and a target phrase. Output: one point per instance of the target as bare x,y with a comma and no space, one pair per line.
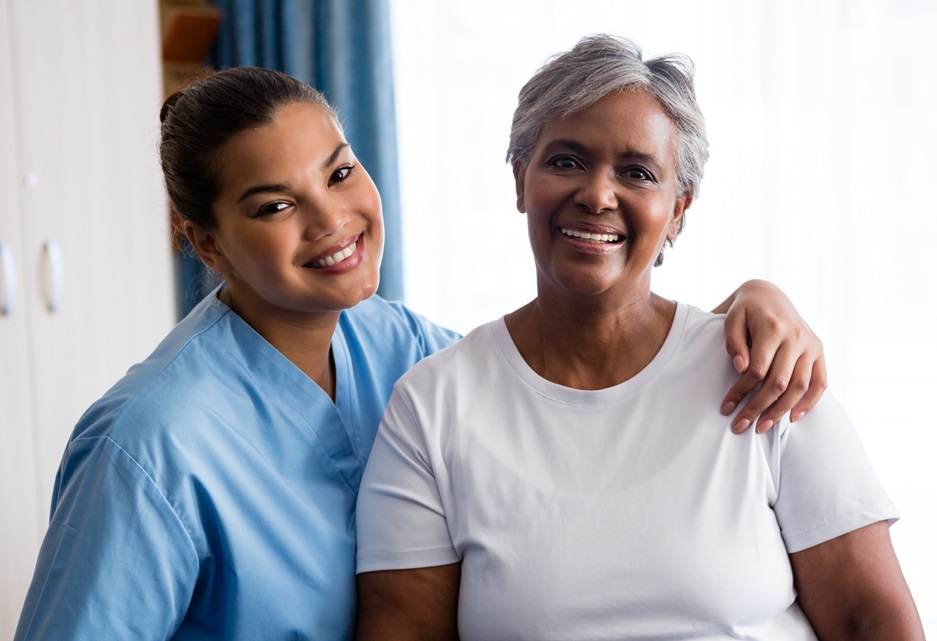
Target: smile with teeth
336,258
592,238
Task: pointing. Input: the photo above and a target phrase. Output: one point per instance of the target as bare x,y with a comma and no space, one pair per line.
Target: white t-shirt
627,512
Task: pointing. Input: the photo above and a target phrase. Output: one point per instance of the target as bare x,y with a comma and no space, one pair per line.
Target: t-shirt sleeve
826,486
116,562
401,518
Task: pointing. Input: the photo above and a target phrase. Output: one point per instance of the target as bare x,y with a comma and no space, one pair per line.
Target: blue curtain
343,49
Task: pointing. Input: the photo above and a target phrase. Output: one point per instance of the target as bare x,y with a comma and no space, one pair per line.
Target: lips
336,257
592,236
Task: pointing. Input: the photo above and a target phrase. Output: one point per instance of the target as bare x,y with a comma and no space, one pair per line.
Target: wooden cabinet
83,220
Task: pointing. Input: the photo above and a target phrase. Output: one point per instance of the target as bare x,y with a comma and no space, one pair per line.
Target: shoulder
380,322
165,422
700,329
826,483
460,359
447,381
162,403
697,341
824,432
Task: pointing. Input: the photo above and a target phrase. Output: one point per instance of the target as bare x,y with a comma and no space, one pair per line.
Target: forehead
626,121
300,134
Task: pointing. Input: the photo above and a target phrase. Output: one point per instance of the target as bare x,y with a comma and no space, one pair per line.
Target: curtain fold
343,49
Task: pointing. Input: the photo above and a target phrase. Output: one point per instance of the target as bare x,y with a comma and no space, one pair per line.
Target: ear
520,173
206,246
679,209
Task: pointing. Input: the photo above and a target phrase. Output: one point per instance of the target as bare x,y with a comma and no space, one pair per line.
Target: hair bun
168,105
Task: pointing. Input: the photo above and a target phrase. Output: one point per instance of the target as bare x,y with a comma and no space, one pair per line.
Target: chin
365,291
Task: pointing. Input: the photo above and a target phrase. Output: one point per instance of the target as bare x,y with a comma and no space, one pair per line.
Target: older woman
559,474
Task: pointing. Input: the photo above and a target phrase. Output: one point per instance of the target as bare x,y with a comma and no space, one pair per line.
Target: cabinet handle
7,280
53,275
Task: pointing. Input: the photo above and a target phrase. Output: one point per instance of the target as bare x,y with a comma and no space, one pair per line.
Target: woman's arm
852,588
785,357
409,605
91,579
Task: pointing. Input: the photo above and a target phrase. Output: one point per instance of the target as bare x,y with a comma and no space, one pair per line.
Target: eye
273,208
638,173
340,174
564,163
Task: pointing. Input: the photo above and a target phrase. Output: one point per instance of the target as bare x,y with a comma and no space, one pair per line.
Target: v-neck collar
332,424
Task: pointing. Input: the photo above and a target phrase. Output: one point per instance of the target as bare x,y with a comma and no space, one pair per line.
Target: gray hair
602,64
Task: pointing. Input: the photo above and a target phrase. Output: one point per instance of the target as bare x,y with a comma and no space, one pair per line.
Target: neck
585,346
304,339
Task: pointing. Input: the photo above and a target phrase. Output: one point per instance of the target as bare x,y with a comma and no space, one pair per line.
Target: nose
597,192
324,215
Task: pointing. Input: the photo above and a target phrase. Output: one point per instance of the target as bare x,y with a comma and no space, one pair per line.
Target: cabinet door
18,510
97,255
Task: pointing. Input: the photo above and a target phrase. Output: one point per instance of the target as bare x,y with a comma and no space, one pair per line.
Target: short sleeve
401,520
116,563
826,484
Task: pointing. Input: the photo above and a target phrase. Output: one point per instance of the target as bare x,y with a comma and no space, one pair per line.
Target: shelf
189,33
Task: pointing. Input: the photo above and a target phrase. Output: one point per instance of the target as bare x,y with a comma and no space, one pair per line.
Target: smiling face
299,226
600,194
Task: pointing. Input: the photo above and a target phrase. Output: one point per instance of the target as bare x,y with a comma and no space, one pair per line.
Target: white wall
822,141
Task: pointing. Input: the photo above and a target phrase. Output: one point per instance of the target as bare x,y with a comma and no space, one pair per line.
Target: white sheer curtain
821,179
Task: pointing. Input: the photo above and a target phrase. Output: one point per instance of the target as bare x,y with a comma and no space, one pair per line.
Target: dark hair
199,119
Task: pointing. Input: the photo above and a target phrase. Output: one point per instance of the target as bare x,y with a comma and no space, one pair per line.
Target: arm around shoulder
776,354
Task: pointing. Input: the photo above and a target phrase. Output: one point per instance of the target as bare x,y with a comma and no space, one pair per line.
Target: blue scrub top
210,494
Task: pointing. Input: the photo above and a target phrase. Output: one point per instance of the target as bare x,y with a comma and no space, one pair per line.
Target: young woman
210,494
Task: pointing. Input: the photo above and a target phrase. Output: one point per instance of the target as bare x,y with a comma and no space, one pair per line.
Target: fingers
753,364
746,382
818,384
769,374
794,383
779,358
781,398
737,347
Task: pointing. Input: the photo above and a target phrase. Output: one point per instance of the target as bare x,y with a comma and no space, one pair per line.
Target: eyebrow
275,187
562,144
335,154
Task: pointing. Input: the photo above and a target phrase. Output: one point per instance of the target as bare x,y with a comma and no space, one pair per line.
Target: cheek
375,221
375,214
539,238
368,202
257,251
540,196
